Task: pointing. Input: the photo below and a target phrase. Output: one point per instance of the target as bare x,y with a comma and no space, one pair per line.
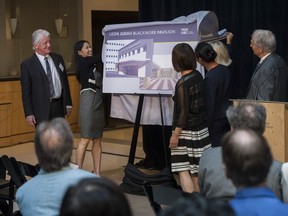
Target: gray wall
31,15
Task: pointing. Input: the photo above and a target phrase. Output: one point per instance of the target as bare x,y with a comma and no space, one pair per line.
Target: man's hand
31,120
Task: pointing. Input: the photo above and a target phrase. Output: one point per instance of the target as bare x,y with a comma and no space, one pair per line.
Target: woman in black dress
217,92
91,107
190,136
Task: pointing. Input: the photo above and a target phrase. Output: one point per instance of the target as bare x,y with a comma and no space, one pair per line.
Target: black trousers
56,109
154,146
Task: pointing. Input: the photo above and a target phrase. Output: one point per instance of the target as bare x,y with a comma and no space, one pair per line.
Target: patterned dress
189,114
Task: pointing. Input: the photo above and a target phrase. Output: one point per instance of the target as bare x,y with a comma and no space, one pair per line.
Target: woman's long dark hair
77,47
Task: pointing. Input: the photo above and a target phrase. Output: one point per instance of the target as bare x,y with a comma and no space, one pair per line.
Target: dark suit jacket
269,80
214,183
35,87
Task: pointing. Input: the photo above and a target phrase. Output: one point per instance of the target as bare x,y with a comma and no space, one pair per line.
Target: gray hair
222,53
264,39
247,115
53,144
38,34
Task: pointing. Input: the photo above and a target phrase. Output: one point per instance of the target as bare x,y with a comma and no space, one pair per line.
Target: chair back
7,188
2,170
161,195
14,173
25,169
17,170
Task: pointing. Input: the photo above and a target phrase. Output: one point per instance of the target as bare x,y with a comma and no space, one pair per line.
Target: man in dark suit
212,178
44,81
269,81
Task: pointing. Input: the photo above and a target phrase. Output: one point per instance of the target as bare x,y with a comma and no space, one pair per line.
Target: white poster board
137,60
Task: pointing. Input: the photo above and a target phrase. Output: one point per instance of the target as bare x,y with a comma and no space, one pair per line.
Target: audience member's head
247,157
264,39
197,205
222,53
53,144
247,115
95,197
183,57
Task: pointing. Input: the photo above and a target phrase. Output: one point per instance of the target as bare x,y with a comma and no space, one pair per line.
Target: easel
136,130
134,179
137,126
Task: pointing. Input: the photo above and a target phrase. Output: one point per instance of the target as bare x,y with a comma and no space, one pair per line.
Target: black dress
217,93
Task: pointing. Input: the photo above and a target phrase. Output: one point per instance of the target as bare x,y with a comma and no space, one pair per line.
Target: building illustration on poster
136,59
140,57
129,58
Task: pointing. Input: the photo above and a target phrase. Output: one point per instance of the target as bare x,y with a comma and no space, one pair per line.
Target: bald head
247,157
247,115
53,144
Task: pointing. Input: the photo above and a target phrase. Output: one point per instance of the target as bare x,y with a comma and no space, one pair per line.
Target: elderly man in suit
270,78
45,87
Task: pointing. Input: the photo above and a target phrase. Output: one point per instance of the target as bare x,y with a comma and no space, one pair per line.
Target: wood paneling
13,127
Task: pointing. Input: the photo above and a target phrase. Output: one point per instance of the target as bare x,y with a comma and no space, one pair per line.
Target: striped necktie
49,75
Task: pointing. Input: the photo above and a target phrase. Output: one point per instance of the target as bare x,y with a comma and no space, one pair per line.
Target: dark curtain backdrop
240,17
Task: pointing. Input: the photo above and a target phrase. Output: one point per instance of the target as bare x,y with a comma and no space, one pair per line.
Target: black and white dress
190,115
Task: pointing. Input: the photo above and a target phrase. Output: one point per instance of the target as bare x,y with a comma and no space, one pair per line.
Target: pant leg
153,144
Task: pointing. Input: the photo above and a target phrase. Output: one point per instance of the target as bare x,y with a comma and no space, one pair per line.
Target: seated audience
196,205
247,159
212,178
95,197
43,194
